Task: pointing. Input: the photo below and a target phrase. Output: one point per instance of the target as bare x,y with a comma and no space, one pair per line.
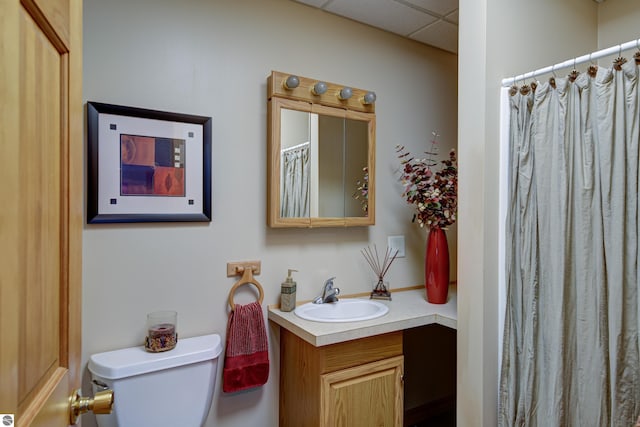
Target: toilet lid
132,361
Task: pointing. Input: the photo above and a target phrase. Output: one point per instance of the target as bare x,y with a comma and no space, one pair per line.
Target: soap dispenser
288,293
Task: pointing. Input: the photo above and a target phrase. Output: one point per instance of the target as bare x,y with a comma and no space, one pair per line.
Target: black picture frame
147,166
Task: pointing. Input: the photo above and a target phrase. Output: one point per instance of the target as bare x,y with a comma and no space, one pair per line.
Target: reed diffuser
380,268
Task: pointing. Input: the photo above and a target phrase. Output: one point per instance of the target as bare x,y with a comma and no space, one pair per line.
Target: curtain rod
572,62
294,147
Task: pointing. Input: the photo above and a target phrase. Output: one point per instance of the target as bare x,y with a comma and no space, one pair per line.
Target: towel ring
247,278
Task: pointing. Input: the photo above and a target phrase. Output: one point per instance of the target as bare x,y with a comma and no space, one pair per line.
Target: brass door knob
101,403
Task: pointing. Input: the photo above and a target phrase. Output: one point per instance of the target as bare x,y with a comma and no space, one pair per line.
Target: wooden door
40,208
365,395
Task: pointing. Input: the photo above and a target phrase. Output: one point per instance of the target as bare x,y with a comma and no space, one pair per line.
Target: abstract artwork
147,165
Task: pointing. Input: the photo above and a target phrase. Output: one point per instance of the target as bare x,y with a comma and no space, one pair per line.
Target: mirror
321,160
322,163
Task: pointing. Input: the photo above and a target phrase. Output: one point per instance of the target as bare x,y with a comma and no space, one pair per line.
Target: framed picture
147,165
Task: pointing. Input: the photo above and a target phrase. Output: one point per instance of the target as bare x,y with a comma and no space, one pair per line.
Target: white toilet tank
168,389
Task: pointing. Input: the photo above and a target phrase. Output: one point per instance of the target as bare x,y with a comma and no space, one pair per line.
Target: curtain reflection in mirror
295,181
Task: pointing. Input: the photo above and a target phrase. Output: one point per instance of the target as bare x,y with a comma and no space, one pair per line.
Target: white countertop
407,309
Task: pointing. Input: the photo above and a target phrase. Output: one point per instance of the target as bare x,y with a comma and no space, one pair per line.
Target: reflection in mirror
356,159
331,167
324,161
342,159
320,158
296,168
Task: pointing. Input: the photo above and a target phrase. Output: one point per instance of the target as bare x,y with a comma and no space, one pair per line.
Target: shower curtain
570,344
295,182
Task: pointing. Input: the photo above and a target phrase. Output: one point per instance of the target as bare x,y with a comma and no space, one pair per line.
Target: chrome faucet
329,293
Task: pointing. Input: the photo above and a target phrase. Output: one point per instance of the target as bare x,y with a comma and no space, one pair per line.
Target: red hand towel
246,360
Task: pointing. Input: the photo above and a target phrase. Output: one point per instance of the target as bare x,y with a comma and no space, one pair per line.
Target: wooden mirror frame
302,98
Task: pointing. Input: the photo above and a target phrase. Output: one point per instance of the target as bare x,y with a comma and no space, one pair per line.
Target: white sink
344,310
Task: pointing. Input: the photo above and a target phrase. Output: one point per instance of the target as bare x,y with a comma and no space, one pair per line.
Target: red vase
436,266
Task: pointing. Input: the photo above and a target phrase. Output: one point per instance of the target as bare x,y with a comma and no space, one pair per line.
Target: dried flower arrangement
362,190
434,193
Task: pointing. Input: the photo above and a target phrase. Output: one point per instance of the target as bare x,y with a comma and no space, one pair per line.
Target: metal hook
619,61
514,87
525,88
573,75
593,68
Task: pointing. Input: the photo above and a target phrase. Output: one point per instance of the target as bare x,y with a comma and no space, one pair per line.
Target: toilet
167,389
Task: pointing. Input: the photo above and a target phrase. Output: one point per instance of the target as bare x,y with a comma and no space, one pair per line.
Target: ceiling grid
432,22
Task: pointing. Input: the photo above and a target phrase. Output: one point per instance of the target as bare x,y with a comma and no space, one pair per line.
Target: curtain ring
514,87
552,79
593,68
524,89
619,61
533,83
573,75
636,56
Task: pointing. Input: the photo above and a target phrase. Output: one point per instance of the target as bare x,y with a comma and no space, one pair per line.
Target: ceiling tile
453,16
314,3
441,34
385,14
440,7
415,19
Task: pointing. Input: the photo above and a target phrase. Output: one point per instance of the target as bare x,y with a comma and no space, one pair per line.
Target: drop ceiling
432,22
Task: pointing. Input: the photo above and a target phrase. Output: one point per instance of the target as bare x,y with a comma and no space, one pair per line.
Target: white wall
212,58
498,39
618,23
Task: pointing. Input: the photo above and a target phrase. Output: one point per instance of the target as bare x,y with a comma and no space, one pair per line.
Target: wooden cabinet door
367,395
41,221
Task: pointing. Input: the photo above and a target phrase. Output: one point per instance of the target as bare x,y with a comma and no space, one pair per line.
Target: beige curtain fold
570,352
295,183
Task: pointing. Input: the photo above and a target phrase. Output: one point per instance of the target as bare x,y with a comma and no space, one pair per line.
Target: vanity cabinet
358,382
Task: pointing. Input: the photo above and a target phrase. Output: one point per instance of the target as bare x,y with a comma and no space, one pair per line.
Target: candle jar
161,331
